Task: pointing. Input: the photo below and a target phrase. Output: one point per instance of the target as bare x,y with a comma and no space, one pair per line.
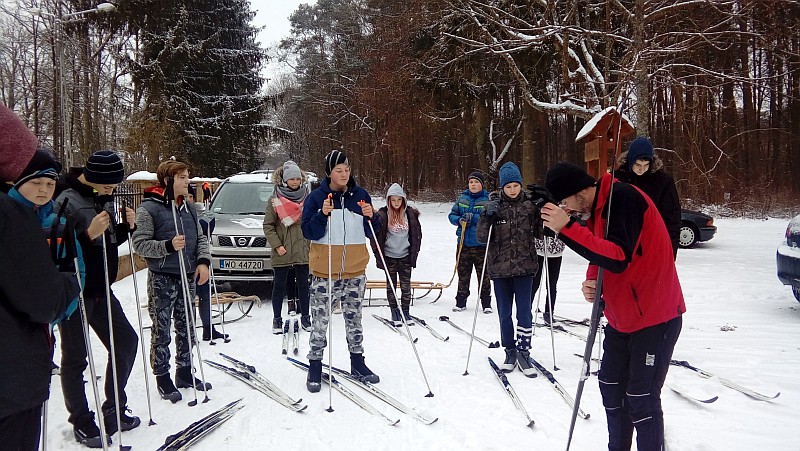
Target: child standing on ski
90,202
464,215
336,216
289,246
513,218
399,238
156,240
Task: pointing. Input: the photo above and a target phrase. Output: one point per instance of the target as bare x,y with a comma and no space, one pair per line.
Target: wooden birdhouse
599,137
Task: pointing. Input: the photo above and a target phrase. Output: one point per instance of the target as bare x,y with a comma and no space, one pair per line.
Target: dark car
788,256
695,227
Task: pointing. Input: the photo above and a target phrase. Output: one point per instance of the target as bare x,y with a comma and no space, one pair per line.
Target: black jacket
660,188
414,234
32,294
82,208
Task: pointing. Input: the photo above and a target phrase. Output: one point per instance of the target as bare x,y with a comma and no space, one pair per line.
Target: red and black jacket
640,286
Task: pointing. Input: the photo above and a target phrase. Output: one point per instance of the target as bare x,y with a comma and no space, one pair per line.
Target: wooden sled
425,288
225,301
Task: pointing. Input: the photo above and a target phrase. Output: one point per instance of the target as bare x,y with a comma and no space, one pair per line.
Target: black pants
472,257
20,431
73,355
398,268
281,276
553,271
631,376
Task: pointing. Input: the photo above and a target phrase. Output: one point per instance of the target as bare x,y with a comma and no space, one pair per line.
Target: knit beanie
43,164
640,149
291,171
565,179
104,168
509,172
17,145
477,175
333,159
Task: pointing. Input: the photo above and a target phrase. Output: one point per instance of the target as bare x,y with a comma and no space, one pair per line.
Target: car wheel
687,237
796,292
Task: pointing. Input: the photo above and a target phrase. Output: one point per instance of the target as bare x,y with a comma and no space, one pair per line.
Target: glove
540,195
491,210
466,218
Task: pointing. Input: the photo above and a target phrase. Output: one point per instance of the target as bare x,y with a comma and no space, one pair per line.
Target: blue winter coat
47,217
469,202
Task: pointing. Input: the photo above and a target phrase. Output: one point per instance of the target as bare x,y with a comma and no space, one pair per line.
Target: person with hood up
642,168
399,239
282,227
465,214
89,200
33,294
511,263
337,216
156,240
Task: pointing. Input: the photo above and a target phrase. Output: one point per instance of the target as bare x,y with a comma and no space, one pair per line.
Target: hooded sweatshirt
407,240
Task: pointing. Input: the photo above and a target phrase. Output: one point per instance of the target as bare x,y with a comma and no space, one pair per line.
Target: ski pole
190,327
330,309
112,339
44,425
139,317
402,315
546,271
89,355
477,304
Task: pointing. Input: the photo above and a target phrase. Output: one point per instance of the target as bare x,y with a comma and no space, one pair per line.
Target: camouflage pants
472,257
166,305
399,267
350,292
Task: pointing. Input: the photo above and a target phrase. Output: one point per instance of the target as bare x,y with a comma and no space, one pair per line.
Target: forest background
420,92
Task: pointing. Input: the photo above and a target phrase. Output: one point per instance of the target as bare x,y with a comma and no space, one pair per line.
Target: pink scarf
288,212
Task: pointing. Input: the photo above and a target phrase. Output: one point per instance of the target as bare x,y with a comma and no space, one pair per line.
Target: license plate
242,264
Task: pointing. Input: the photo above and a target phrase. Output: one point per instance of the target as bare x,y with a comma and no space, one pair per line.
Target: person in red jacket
641,290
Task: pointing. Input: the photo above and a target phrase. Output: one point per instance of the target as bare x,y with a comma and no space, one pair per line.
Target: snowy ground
741,324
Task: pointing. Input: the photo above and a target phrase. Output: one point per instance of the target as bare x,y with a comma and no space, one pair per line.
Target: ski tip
447,338
444,318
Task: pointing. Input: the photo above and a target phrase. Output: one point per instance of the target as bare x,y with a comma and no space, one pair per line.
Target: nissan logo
241,241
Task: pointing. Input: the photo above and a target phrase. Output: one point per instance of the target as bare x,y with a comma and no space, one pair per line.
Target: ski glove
540,195
491,210
466,218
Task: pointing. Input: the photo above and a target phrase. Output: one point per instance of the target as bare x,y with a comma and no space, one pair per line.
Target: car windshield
242,198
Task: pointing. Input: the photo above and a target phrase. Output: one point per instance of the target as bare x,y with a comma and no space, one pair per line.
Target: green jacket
289,237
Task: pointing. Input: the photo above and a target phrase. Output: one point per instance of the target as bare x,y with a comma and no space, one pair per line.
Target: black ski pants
73,355
281,276
632,374
20,431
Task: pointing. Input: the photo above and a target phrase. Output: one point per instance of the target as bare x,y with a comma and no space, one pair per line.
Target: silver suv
239,251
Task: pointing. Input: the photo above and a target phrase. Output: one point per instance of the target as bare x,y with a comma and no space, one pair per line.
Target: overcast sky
273,15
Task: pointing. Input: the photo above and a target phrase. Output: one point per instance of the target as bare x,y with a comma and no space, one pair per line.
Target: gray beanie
291,171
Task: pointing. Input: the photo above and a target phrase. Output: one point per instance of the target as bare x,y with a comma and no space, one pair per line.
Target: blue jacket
469,203
349,231
58,250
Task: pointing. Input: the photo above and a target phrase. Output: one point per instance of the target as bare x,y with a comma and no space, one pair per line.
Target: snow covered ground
741,324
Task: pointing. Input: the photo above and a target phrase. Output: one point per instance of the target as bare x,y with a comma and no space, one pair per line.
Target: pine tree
199,73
